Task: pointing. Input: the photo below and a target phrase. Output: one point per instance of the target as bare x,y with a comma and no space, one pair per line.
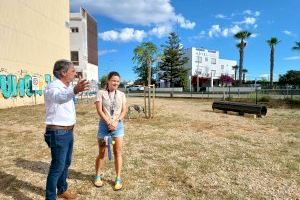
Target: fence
233,93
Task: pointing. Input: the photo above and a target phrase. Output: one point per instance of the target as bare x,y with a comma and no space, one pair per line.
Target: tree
244,74
226,80
144,56
272,42
235,68
297,46
173,60
242,35
292,77
183,80
102,81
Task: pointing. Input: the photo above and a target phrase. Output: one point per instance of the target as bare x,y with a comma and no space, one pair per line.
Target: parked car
136,88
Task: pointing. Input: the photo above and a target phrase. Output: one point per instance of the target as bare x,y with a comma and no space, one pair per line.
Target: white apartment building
84,44
206,65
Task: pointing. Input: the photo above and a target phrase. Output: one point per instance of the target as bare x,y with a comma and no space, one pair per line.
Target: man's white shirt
60,108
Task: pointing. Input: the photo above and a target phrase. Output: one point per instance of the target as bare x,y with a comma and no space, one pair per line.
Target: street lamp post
198,82
190,79
255,91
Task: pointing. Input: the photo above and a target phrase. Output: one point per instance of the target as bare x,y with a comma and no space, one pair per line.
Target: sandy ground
186,152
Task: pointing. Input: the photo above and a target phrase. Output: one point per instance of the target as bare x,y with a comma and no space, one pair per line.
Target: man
60,121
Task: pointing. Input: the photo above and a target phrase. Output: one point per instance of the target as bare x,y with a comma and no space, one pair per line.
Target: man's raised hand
82,85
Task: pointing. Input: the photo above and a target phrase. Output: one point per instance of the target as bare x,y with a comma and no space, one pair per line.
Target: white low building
205,64
84,45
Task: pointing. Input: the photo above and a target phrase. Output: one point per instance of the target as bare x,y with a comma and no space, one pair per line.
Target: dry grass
186,152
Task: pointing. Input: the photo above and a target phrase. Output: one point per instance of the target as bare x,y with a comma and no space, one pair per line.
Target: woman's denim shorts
103,130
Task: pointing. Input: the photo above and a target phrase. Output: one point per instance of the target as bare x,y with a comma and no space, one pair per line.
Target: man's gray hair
61,66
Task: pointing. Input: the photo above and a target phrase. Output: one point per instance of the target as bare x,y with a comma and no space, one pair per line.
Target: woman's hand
113,125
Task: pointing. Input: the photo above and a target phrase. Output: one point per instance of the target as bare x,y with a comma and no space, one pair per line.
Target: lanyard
112,103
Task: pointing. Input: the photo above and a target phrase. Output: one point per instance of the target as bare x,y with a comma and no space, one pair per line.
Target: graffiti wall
11,86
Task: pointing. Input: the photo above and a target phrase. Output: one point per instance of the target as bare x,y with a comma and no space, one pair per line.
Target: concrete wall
92,72
33,35
232,89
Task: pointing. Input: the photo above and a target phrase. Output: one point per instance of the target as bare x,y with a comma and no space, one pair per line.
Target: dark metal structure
241,108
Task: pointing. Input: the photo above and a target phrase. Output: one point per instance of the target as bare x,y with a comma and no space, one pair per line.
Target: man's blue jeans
61,144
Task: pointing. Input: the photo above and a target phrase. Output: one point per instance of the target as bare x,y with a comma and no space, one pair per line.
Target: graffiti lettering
10,86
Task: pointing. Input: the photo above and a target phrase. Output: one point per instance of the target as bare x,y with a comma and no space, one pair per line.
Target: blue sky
124,24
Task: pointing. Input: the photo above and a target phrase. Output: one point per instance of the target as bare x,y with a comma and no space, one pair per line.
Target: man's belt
60,127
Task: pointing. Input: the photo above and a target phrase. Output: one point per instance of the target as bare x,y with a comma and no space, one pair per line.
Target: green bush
264,99
228,98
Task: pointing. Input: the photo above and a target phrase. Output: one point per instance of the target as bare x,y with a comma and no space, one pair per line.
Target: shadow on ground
11,186
43,167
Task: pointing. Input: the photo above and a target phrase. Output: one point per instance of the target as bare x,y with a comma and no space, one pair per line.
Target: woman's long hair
109,76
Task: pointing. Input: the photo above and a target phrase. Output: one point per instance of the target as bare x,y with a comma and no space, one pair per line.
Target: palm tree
244,74
144,56
242,35
273,41
297,46
235,68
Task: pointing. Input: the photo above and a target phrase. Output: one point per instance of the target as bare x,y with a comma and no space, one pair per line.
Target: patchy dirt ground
185,152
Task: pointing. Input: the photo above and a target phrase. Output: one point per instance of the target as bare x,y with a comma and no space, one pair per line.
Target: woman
111,107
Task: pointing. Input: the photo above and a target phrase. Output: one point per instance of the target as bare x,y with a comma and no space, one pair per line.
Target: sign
35,83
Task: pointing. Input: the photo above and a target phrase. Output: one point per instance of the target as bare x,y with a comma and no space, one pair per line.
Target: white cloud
220,16
225,32
142,12
217,30
250,12
200,36
160,31
186,24
289,33
250,20
235,29
157,15
292,58
214,31
247,21
253,35
257,13
106,51
109,35
124,35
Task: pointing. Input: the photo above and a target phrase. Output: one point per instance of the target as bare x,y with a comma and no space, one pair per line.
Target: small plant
265,99
228,98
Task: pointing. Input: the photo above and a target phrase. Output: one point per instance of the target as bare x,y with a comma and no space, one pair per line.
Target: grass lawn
185,152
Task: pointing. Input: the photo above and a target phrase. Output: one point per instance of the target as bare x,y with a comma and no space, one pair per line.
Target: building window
213,73
74,30
199,59
213,61
222,67
75,57
206,59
